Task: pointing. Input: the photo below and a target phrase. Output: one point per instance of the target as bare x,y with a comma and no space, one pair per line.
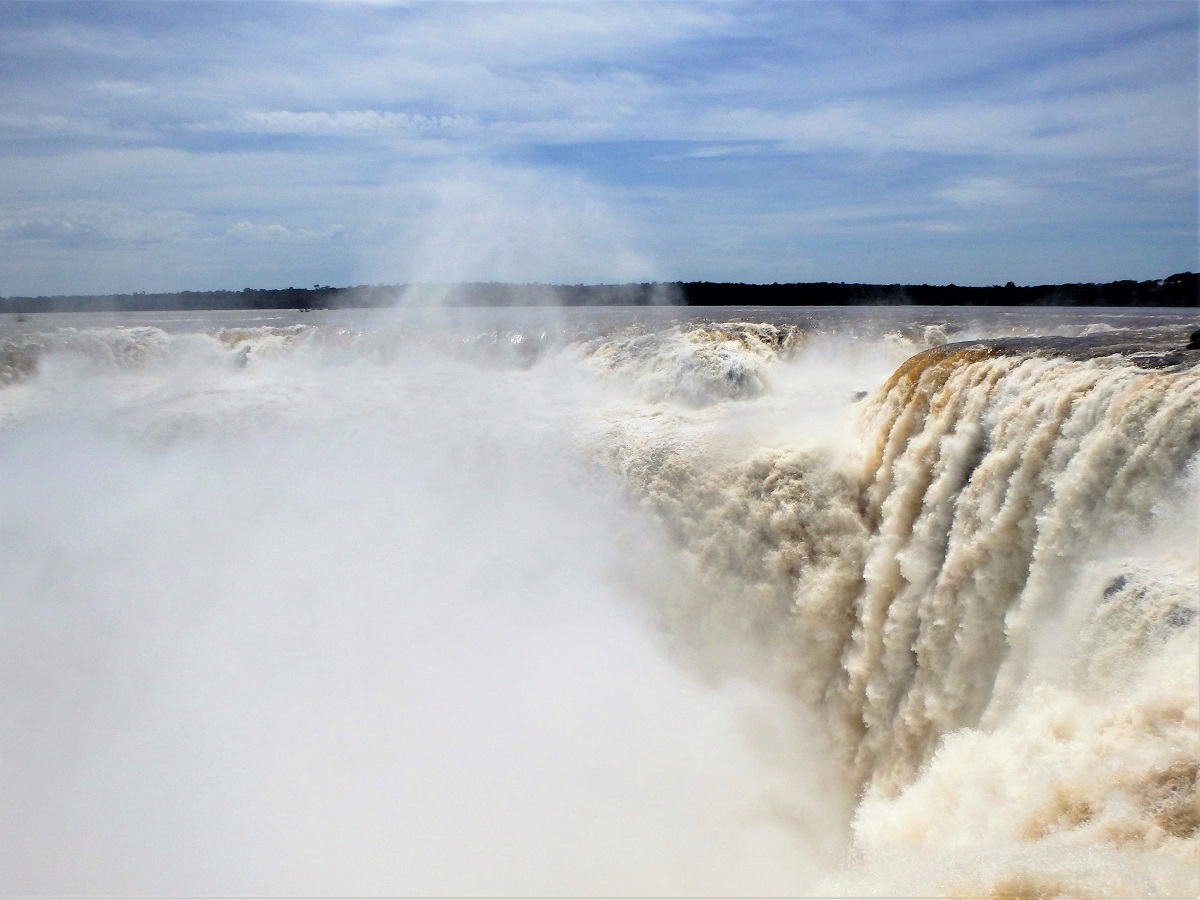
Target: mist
517,224
333,625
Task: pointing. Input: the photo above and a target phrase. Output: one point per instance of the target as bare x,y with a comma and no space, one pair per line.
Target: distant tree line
1181,290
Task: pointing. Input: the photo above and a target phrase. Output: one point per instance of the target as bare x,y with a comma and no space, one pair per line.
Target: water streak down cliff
989,475
1014,561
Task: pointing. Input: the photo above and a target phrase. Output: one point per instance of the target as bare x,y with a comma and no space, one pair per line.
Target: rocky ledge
1147,348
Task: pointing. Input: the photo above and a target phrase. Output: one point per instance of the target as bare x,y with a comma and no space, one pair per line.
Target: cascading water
600,603
989,478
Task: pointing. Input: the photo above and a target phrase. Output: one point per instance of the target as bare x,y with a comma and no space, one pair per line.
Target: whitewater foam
597,606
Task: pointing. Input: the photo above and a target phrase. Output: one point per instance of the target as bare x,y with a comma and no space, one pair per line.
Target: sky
173,146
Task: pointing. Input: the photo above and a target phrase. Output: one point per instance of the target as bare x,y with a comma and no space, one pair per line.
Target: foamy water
615,602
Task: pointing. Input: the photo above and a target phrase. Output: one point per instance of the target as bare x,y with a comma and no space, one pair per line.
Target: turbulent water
600,602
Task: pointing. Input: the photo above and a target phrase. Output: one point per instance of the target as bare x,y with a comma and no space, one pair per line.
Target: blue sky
192,145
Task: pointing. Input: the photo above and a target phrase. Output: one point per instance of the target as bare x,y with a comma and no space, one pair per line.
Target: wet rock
1146,348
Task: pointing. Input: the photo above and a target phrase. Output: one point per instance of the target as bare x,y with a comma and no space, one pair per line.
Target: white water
593,604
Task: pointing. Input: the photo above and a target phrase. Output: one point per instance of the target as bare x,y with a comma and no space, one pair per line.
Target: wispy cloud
338,123
94,224
249,231
59,126
850,117
124,89
978,191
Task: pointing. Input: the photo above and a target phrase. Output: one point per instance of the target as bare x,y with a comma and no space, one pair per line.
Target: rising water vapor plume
522,228
859,603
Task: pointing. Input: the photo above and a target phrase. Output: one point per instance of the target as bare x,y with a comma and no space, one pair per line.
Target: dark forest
1181,290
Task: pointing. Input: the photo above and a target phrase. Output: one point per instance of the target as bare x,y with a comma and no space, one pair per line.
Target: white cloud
340,123
982,191
910,116
853,77
1122,125
715,152
249,231
56,125
95,223
121,88
549,35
